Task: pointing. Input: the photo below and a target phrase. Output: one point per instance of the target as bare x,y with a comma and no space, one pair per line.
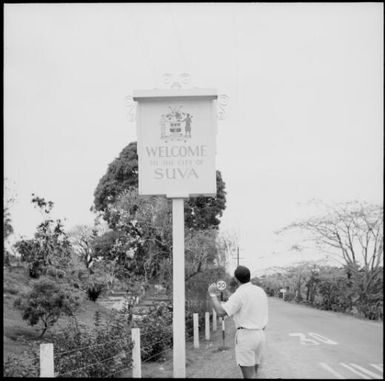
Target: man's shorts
249,346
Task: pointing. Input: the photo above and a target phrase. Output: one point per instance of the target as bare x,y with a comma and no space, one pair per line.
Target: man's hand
213,289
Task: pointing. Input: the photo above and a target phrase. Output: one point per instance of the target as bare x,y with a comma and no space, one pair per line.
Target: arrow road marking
377,366
323,339
368,372
303,339
331,370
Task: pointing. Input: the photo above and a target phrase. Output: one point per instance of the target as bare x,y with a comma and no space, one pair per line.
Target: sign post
176,131
221,285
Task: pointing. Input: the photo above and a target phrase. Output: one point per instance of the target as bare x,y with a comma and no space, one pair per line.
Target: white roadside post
136,359
214,320
207,326
46,360
196,330
176,131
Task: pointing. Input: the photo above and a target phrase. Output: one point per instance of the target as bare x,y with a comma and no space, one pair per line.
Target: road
303,342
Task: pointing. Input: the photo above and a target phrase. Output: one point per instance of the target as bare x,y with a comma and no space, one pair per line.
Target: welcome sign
176,132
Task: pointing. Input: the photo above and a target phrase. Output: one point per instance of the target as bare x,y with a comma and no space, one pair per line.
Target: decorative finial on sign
178,81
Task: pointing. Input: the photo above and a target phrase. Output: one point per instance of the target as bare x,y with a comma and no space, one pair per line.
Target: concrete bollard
136,359
46,360
207,325
196,330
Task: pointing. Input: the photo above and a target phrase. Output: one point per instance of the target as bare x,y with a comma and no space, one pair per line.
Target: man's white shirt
248,307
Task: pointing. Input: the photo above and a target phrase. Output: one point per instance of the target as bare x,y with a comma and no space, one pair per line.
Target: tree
46,302
201,251
122,175
7,223
50,245
7,231
7,226
228,244
83,240
204,212
354,229
301,275
354,232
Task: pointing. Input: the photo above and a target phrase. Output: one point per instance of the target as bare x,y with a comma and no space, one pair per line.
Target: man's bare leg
248,371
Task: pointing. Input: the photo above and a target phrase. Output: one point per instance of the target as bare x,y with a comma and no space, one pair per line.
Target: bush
156,332
289,296
22,365
94,292
46,302
102,352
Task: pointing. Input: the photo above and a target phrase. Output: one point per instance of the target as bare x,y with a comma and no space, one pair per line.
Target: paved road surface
303,342
308,343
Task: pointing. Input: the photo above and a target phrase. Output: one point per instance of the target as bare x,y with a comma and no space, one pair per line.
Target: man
248,308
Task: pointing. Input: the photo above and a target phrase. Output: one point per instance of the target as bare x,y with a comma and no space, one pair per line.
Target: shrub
50,245
22,365
46,302
156,331
289,296
95,285
94,291
101,352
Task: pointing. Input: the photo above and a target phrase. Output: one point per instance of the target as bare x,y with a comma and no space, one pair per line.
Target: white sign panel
176,142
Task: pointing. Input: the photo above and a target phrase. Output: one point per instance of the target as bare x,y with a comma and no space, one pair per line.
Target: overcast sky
304,119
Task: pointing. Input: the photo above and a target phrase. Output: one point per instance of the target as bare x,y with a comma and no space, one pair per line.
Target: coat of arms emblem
175,125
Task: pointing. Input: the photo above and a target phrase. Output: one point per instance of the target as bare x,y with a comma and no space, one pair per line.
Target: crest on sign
175,125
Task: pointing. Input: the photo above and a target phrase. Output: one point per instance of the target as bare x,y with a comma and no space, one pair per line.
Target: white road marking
331,370
368,372
321,338
355,371
377,366
303,339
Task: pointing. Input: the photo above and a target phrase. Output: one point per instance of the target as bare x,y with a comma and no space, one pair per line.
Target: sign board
221,285
176,131
283,290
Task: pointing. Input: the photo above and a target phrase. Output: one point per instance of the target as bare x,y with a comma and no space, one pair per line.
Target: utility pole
238,256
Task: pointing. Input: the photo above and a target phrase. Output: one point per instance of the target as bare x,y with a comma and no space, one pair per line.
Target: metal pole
237,255
179,353
223,323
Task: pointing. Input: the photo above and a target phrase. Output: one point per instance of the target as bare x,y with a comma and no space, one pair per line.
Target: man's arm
214,300
217,305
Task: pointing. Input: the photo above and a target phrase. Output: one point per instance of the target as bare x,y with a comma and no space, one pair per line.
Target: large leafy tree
353,232
141,242
122,174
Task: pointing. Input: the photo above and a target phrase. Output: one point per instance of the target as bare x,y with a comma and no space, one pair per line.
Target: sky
304,118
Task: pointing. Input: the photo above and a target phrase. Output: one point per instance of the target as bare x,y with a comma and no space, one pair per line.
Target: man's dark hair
242,273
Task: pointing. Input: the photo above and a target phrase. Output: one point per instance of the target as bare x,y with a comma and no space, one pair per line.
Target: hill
16,331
